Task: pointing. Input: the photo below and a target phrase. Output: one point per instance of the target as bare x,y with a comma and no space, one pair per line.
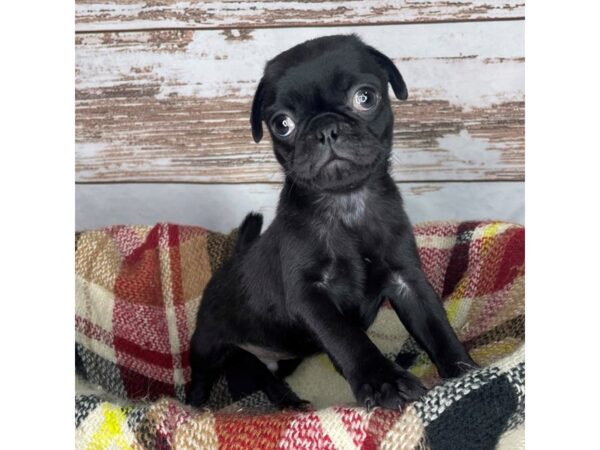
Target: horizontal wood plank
222,207
94,15
173,106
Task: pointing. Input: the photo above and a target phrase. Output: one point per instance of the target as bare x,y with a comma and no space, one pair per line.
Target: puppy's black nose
329,133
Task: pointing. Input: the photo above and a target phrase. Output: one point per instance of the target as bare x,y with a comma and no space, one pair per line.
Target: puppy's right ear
256,114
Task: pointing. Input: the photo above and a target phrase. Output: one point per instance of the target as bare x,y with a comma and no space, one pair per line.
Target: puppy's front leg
422,313
374,379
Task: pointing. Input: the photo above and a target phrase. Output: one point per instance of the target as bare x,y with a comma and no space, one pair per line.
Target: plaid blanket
137,293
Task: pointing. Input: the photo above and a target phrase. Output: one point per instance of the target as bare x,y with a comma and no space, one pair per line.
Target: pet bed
137,293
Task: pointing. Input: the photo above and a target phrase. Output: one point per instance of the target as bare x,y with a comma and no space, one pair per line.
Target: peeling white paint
89,149
102,16
425,54
471,151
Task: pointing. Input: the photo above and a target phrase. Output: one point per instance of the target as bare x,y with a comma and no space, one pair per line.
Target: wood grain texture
173,106
222,207
94,15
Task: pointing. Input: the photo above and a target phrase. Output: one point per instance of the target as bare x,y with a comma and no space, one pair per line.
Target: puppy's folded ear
256,114
394,77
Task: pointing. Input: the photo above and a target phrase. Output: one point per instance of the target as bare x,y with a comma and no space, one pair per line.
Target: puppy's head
326,105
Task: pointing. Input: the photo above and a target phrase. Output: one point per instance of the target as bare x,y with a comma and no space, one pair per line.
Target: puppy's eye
365,99
283,125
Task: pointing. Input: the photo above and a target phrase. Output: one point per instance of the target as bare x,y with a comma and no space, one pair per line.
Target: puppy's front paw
385,384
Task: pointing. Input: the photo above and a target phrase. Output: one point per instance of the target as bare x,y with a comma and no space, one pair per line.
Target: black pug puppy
339,244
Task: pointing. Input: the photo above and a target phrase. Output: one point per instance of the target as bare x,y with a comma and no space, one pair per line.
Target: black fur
340,242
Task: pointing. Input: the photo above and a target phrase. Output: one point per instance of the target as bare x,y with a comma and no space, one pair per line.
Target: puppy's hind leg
246,374
286,367
206,362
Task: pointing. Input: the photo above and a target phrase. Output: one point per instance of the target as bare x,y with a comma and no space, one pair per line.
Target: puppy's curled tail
249,231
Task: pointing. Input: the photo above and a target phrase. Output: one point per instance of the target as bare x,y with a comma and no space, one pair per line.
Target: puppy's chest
359,218
341,274
346,283
368,236
349,210
345,252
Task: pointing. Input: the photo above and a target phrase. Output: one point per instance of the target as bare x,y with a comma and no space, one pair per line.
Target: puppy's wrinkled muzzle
322,136
329,150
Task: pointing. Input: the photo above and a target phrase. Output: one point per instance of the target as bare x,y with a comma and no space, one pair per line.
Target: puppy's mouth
342,174
337,163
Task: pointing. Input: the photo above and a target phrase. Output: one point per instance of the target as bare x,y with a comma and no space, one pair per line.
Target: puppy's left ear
393,74
256,114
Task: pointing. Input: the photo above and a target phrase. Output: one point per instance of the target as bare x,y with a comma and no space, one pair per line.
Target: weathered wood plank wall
174,105
93,15
163,89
